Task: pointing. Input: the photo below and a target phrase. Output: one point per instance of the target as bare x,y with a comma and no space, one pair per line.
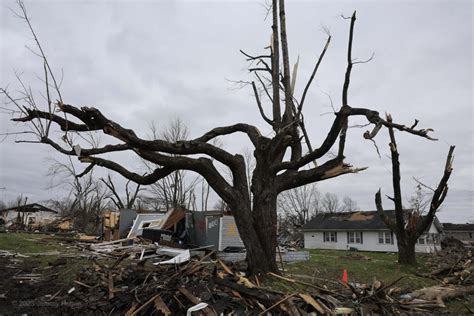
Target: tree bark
258,227
406,251
261,258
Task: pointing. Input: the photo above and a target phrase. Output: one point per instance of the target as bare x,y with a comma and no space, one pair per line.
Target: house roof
30,208
458,227
361,220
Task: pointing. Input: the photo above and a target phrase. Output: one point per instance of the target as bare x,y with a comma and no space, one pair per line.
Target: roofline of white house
346,229
342,229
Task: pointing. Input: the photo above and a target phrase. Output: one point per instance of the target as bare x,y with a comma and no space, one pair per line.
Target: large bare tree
281,160
409,225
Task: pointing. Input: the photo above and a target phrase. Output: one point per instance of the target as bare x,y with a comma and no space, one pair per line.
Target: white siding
229,235
370,242
40,216
430,246
315,240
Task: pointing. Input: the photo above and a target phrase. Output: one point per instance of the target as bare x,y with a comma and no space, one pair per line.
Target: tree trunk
257,225
265,224
406,251
260,258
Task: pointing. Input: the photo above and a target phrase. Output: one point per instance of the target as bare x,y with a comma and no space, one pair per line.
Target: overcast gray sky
143,61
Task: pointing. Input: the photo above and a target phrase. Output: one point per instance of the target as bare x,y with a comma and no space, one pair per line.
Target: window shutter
391,236
361,237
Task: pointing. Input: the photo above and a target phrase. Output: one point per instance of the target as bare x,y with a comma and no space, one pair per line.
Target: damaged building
31,216
179,226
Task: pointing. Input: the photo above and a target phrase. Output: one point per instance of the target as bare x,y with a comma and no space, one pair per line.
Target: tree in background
349,205
297,206
87,197
409,225
330,203
128,201
176,189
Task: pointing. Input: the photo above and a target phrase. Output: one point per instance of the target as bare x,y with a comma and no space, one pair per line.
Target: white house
32,215
363,231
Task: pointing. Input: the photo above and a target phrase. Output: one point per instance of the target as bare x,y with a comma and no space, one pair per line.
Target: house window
330,236
354,237
385,238
421,240
432,239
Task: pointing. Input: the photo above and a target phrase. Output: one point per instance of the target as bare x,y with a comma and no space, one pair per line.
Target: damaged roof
361,220
458,227
30,208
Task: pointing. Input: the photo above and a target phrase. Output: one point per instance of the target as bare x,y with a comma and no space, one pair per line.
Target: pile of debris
452,265
290,238
205,283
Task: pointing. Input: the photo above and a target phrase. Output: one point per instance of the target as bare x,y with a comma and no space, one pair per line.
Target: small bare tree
121,202
86,199
299,205
349,205
175,190
330,203
409,225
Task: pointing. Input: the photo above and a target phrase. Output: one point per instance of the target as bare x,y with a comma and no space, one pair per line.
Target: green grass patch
42,252
329,265
26,243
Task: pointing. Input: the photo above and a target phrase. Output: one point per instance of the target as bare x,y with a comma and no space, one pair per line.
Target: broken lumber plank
311,301
131,309
110,242
225,267
304,283
277,303
111,285
262,296
193,299
161,306
191,269
151,300
443,291
292,309
83,284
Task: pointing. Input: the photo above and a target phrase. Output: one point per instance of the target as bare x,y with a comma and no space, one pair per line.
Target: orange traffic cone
344,276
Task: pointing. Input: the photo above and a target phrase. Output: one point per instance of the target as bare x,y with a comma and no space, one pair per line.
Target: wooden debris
193,299
117,285
453,265
310,300
277,303
161,306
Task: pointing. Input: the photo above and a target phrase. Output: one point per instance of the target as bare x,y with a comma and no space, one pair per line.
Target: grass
326,266
329,265
41,251
26,243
